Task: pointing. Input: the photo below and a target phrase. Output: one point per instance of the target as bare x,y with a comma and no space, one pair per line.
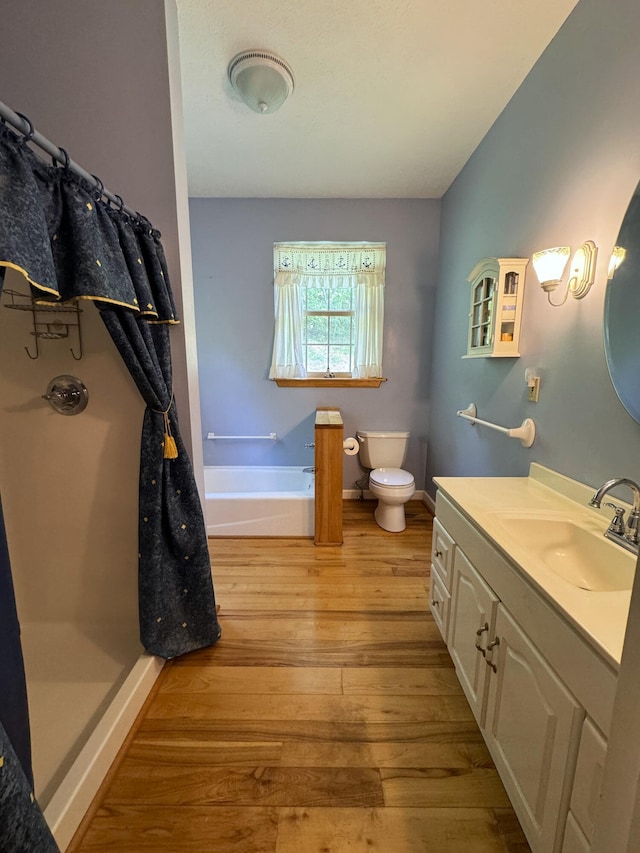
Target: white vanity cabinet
472,624
532,729
442,553
529,678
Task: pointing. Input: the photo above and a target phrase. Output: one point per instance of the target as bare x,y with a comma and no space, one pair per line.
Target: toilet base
390,517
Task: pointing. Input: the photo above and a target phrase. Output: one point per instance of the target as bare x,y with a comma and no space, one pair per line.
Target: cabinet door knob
437,553
434,602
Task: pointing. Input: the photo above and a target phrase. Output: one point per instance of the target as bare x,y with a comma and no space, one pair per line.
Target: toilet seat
391,478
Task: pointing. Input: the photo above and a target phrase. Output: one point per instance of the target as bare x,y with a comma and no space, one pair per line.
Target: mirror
622,313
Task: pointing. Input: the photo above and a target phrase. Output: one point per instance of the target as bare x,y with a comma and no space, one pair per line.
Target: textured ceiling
391,96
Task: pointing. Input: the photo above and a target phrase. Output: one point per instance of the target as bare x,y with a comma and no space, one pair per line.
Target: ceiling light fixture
549,265
262,79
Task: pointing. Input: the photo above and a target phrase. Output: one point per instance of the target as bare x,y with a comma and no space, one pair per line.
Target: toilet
384,453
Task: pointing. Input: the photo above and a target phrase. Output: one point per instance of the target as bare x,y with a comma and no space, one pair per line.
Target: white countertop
600,616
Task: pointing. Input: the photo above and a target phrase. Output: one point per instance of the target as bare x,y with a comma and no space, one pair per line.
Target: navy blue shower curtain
68,244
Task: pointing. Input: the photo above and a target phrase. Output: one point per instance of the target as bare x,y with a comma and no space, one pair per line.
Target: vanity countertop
600,616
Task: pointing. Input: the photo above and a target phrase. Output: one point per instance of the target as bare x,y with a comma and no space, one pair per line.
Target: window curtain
359,266
69,245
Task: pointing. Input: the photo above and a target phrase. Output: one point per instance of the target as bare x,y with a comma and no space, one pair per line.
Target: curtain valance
329,266
69,244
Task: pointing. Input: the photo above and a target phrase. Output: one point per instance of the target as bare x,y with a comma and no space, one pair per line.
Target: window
327,334
329,308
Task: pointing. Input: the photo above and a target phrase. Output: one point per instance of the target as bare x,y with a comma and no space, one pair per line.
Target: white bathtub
259,501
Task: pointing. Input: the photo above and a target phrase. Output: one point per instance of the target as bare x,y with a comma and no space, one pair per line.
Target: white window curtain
360,266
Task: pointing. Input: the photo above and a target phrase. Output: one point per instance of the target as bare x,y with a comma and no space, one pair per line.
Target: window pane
317,359
317,330
340,330
340,299
317,298
340,359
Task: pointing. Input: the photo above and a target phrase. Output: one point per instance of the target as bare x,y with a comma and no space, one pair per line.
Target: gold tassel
170,448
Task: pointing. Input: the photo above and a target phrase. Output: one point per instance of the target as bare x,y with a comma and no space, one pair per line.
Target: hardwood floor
328,718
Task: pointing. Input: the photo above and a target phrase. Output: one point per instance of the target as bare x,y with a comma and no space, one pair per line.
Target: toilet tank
380,449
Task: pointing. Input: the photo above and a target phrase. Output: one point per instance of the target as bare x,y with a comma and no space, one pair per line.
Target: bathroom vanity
532,602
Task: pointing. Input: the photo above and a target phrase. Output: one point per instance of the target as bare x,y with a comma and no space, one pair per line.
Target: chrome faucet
625,535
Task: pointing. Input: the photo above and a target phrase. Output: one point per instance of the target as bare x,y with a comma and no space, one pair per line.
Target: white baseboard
73,797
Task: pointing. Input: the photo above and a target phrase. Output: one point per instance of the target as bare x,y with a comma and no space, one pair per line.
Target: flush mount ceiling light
549,265
262,79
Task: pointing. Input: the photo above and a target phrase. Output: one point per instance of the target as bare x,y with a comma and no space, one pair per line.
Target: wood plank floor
328,718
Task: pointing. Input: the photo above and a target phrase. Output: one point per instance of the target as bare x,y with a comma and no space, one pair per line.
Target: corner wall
558,167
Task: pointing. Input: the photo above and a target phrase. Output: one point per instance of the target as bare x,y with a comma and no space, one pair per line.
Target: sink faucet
627,536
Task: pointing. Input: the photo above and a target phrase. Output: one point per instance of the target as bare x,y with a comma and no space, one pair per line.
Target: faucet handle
617,522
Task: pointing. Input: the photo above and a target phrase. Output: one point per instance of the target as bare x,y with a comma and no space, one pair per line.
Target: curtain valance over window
330,264
357,266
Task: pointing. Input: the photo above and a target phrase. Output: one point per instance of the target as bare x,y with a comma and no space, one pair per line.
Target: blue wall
232,241
558,167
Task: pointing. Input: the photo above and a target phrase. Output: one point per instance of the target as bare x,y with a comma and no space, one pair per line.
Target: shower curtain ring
98,189
26,137
67,159
120,203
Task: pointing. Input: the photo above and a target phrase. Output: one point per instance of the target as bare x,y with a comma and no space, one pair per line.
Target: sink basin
579,556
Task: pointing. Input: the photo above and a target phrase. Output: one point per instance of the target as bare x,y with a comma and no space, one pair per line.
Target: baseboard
354,495
78,788
429,502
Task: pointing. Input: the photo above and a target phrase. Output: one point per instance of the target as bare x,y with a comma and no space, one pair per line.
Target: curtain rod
25,126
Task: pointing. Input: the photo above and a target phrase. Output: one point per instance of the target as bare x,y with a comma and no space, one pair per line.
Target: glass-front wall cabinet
497,290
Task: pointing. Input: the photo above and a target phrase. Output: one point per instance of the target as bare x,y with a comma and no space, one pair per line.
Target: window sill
320,382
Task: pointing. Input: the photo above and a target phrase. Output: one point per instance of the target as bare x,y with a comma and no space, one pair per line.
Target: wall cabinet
535,727
497,292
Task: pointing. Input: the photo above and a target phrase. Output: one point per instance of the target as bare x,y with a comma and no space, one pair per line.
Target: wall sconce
617,257
262,79
549,265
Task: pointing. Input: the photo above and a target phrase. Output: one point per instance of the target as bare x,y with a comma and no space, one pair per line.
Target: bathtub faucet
627,536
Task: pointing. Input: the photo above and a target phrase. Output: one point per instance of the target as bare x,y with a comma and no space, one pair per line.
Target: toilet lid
391,477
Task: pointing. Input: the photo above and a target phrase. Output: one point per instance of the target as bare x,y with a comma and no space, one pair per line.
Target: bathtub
259,501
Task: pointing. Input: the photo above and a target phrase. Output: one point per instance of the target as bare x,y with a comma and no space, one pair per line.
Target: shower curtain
68,244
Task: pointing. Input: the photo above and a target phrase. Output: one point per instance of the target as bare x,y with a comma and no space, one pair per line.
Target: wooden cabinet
532,730
497,292
472,624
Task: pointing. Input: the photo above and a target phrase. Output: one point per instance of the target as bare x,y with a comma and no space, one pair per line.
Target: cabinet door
574,839
532,730
587,784
442,549
439,600
471,623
